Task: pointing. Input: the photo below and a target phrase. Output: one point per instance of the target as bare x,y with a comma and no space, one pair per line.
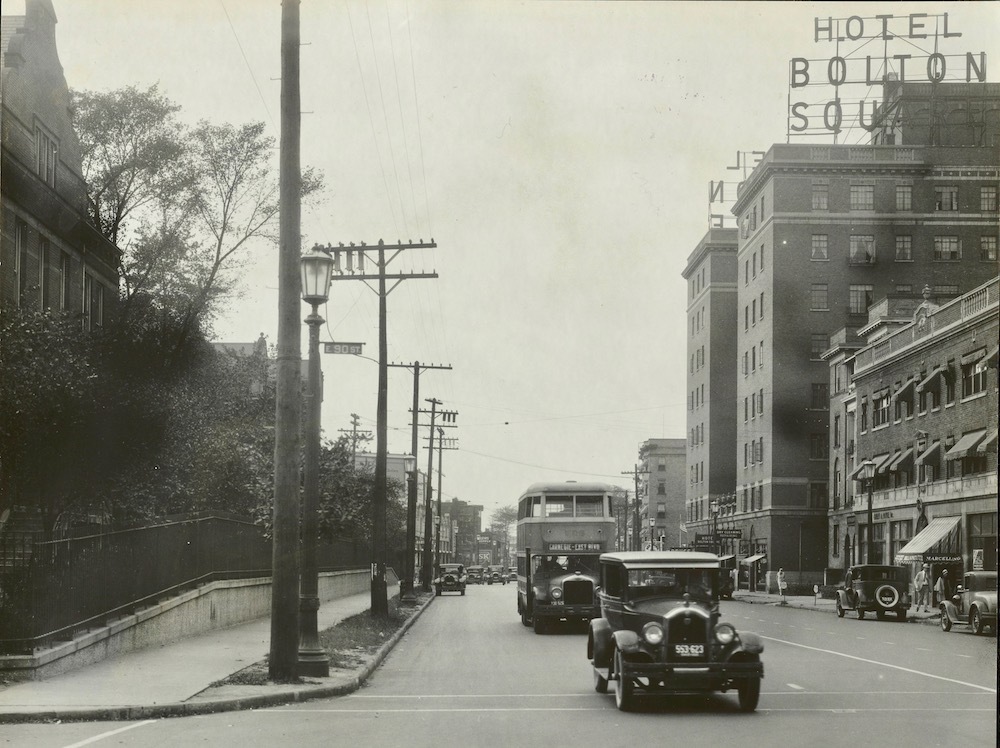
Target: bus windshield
565,564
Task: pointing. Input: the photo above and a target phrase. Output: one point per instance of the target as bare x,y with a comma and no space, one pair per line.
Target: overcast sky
560,155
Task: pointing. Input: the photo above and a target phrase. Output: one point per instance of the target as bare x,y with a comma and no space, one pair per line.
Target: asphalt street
469,674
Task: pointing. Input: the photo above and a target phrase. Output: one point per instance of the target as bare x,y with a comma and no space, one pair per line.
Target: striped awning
933,538
900,460
927,452
906,391
966,444
883,467
930,377
987,443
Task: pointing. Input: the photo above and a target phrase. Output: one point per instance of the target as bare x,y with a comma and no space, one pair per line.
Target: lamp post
315,266
867,475
714,508
652,529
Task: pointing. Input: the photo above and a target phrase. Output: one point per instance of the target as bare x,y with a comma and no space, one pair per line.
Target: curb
294,694
934,619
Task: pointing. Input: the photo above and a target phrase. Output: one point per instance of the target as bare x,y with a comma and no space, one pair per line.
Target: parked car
450,578
875,588
512,574
974,603
660,630
496,575
475,574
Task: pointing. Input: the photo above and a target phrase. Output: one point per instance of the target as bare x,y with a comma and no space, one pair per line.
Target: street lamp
867,475
316,266
652,529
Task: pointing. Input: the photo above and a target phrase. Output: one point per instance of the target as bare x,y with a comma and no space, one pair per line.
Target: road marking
796,687
883,664
969,656
103,735
606,707
923,649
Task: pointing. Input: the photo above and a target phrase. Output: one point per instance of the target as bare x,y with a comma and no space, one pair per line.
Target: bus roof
658,559
570,487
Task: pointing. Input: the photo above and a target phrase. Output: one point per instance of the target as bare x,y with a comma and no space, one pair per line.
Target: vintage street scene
500,373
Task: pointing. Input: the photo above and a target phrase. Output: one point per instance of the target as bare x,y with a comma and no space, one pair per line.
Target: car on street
496,575
875,588
660,630
974,603
475,574
512,574
450,578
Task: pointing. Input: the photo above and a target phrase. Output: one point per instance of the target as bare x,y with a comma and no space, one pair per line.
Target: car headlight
556,593
725,633
652,633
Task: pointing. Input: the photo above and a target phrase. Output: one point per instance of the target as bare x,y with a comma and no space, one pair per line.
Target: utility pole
448,417
356,436
406,592
635,472
284,647
380,560
440,517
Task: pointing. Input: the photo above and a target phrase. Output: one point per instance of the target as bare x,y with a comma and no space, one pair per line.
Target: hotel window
753,311
746,318
860,297
862,197
760,358
818,447
864,417
753,263
945,291
820,250
988,199
46,152
904,248
836,431
761,256
746,273
746,363
760,401
904,288
974,374
820,396
753,219
988,248
946,198
820,197
947,248
818,495
863,250
746,410
880,410
761,307
817,344
818,297
904,197
835,545
753,358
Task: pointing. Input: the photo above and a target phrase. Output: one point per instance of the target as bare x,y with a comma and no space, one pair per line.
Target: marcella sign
910,47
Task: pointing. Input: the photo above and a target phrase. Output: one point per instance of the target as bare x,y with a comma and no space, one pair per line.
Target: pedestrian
922,586
782,585
943,587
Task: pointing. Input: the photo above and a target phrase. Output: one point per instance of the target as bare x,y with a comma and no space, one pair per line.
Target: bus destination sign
573,547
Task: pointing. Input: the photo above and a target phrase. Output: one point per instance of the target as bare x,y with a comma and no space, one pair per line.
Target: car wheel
880,614
538,623
901,615
840,609
861,614
624,687
600,682
976,621
945,620
749,693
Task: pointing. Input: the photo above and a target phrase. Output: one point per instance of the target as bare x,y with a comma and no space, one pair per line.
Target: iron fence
62,586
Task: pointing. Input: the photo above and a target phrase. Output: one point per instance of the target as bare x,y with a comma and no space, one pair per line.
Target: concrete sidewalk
175,679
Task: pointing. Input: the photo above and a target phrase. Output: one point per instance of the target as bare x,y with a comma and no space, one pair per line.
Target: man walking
922,586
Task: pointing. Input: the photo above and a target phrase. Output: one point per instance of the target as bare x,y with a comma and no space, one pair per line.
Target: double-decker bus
562,529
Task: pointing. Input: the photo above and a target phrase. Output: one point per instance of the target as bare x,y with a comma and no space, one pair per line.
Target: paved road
468,674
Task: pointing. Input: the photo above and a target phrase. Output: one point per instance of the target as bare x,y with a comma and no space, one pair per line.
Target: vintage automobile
875,588
450,578
974,603
660,631
512,574
475,574
496,575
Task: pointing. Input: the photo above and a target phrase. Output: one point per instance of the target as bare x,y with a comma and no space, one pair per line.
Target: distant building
468,519
661,462
52,256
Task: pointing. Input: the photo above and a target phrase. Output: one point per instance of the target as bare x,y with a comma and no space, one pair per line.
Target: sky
558,153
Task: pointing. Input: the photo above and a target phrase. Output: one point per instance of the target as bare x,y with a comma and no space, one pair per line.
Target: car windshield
982,584
585,564
644,583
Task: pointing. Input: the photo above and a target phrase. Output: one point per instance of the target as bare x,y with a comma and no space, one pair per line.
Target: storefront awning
906,391
965,445
991,357
987,443
927,452
930,377
727,557
932,540
901,460
753,559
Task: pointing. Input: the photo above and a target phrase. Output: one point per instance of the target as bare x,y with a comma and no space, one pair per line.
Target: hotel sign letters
852,65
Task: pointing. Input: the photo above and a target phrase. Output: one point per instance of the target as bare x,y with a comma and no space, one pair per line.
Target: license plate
689,650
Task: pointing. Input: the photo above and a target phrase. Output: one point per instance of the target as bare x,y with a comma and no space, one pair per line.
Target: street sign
731,533
700,537
354,349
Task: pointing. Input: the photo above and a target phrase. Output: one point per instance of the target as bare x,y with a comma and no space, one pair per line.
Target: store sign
854,70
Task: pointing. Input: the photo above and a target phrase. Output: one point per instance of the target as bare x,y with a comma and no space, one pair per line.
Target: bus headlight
556,593
725,633
652,633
